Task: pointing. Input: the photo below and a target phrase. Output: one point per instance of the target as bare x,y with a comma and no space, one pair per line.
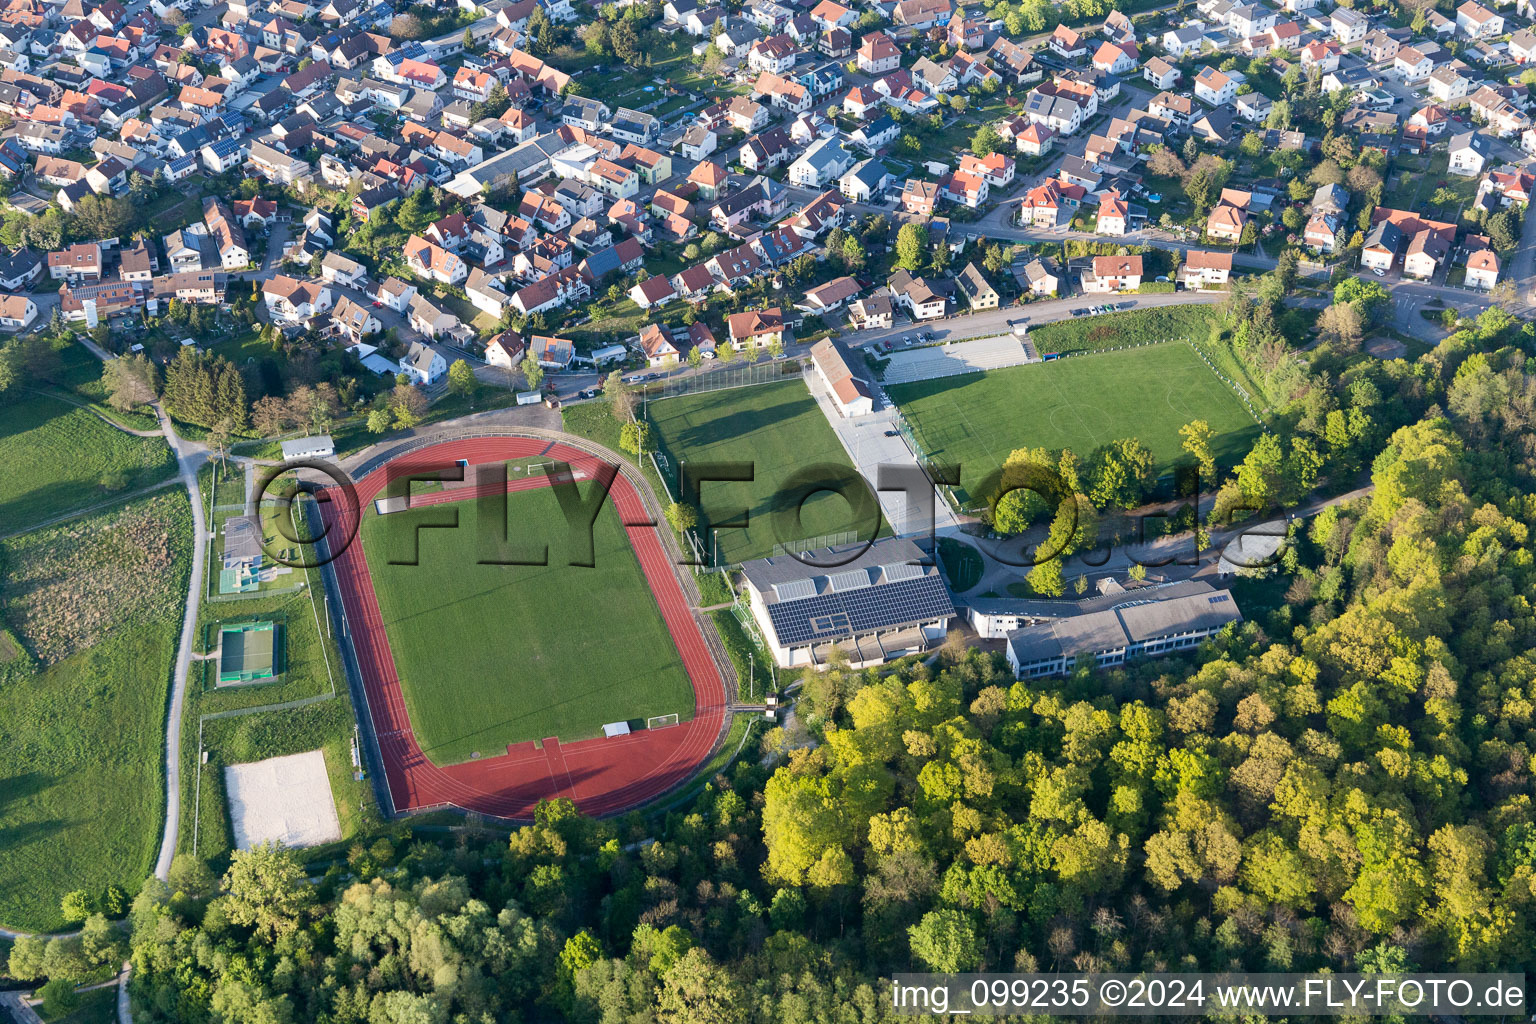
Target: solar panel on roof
794,590
867,609
899,571
853,579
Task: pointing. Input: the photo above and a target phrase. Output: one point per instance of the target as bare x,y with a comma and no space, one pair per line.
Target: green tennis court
247,652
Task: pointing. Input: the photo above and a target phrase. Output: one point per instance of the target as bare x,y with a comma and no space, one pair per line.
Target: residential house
424,259
485,293
1178,42
1482,270
653,291
395,293
1475,21
1116,58
1348,26
17,312
293,300
505,350
871,313
827,297
1214,87
1204,269
1160,73
756,328
823,162
657,347
1114,213
353,320
979,293
79,262
919,197
338,269
1468,152
424,364
923,298
1113,274
1229,216
1068,44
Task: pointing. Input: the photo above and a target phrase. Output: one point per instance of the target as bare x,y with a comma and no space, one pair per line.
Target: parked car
893,433
1378,272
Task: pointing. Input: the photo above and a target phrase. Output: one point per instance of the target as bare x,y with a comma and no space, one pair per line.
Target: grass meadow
491,655
95,605
1080,403
59,457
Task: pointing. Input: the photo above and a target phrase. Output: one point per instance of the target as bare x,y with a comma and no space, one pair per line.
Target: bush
1157,287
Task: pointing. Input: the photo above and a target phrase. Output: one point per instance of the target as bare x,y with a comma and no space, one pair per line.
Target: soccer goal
660,721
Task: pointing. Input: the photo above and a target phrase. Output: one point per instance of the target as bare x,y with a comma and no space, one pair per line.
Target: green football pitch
1080,403
490,655
779,430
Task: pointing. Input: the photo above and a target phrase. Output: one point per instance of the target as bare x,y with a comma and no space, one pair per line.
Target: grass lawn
81,776
780,431
59,457
491,655
1078,403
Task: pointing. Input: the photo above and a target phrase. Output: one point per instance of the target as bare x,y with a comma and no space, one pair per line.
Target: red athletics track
603,776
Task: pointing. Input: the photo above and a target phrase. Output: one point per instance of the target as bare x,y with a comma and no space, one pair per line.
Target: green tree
635,437
1120,473
59,998
1197,436
76,906
695,989
853,254
265,888
461,379
533,373
682,516
946,940
380,420
911,246
986,141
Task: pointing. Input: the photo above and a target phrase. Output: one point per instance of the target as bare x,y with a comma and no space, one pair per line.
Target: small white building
320,446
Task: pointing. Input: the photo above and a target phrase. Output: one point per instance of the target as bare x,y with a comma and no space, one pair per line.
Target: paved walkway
190,460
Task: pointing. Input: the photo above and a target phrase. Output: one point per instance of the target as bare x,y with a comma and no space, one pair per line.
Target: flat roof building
1141,623
318,447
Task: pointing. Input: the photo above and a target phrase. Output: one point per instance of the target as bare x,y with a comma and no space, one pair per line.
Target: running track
602,776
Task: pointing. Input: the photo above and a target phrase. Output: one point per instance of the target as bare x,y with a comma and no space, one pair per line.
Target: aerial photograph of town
766,511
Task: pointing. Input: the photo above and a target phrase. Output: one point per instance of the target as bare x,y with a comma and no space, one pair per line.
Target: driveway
866,441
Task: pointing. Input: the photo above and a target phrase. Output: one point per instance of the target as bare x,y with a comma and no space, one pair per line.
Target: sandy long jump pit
282,799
